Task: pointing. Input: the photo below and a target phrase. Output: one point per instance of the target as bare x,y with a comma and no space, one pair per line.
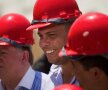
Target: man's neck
68,72
11,81
10,84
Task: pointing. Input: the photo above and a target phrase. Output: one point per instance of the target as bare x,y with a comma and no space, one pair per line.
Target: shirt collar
56,75
27,80
1,85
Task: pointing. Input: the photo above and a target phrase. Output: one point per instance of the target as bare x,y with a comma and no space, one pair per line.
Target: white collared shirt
28,79
55,75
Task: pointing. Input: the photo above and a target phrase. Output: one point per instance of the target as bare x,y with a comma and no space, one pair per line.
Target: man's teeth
51,51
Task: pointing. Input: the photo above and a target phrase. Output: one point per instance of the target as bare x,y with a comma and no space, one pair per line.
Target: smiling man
53,19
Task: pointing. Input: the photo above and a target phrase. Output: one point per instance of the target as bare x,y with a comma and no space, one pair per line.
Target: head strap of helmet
79,57
12,42
54,20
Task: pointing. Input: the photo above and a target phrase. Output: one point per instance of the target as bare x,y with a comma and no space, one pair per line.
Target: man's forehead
46,31
55,28
4,47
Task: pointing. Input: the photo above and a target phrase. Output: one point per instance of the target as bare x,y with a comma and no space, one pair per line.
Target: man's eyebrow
4,48
48,32
51,32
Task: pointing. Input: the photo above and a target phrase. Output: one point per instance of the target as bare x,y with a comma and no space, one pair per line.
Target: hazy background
25,7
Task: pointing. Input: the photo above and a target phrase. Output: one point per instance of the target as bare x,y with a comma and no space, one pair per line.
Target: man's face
10,61
52,39
85,77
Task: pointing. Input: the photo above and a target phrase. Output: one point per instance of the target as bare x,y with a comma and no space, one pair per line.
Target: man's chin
54,60
51,61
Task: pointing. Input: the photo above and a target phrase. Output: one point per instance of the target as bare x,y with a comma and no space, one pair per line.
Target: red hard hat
67,87
13,27
49,11
88,35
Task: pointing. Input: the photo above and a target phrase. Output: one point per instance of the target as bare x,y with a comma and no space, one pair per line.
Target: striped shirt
56,76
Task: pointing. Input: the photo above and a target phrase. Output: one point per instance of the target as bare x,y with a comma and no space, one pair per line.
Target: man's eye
52,35
1,53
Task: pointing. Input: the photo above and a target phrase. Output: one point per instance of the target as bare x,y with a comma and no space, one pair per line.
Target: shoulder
41,75
46,83
44,76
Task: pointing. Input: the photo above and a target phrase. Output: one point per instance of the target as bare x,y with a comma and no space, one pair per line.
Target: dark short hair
42,64
95,61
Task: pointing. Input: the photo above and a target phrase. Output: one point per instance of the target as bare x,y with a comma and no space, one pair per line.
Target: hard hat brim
2,43
70,54
67,52
37,26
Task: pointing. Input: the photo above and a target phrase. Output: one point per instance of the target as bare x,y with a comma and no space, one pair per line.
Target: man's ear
25,56
96,73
